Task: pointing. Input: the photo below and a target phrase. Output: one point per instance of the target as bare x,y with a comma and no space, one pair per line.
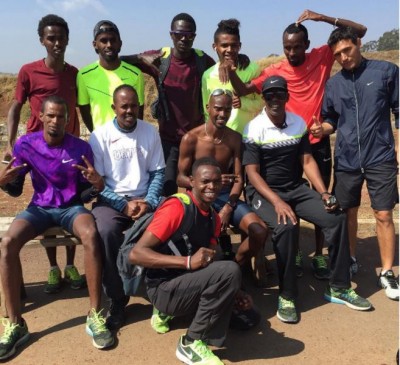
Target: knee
89,236
258,233
384,217
233,274
9,249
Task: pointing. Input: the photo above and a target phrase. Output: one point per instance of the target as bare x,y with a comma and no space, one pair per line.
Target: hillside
7,87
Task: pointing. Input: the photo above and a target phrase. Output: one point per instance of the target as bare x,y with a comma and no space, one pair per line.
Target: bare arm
282,209
144,254
240,87
86,116
13,118
339,22
187,151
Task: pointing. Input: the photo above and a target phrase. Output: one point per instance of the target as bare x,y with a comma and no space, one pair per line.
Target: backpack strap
189,217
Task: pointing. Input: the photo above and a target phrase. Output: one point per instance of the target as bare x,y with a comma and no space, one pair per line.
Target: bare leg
52,255
352,223
20,232
386,237
319,240
85,229
70,252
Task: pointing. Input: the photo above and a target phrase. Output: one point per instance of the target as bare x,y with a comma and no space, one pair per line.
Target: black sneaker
116,315
14,335
388,282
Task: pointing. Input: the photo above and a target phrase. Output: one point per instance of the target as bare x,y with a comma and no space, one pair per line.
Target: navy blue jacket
357,104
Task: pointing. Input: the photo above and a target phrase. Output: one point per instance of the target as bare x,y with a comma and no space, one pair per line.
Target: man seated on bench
55,161
215,139
128,154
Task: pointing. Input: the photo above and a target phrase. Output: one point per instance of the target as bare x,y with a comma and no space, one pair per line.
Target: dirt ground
326,334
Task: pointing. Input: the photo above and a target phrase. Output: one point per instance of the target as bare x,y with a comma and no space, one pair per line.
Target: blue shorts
44,218
239,211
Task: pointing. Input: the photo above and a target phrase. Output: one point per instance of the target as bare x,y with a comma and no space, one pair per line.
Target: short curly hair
49,20
185,17
295,29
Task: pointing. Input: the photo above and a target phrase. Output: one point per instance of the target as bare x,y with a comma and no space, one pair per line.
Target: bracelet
325,192
336,20
188,259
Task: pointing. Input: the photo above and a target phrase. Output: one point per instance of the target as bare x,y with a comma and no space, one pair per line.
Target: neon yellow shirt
251,104
96,86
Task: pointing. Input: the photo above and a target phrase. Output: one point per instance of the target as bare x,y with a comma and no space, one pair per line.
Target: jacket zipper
357,123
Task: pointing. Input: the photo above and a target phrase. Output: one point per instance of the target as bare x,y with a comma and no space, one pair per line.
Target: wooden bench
52,237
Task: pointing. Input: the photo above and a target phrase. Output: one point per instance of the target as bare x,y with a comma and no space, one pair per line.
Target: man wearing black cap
96,82
276,148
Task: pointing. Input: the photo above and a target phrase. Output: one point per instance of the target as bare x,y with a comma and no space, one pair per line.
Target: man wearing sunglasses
276,150
177,72
306,74
215,139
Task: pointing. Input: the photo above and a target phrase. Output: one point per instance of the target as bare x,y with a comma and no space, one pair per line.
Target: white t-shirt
125,159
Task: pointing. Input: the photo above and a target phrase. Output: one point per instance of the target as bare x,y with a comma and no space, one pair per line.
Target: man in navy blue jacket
357,104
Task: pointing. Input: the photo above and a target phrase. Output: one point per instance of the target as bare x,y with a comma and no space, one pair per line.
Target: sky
145,25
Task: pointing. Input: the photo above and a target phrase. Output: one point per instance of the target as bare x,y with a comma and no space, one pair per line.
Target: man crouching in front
188,280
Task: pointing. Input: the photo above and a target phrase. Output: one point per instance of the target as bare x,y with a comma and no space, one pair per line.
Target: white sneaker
388,282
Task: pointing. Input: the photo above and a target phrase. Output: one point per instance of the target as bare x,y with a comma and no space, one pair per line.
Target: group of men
214,121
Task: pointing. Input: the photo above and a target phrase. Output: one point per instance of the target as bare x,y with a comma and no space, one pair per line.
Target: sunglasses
279,95
180,35
218,92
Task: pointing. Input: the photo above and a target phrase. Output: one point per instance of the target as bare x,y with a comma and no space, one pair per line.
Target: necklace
215,140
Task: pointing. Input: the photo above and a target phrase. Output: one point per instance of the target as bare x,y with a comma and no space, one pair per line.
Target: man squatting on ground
276,147
56,161
187,284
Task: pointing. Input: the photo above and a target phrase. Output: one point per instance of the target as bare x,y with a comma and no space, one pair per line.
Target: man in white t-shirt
129,157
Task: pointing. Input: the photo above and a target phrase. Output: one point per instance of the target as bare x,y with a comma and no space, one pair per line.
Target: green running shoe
54,281
96,328
159,321
14,335
196,353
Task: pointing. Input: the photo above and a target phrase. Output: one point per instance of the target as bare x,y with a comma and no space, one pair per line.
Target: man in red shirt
184,279
306,74
37,81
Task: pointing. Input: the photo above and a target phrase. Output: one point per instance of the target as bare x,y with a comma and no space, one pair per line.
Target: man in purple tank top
62,173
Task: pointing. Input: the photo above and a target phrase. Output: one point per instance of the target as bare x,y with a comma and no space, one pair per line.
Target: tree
370,46
389,41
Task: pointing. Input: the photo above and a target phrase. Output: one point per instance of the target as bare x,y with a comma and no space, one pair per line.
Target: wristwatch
232,204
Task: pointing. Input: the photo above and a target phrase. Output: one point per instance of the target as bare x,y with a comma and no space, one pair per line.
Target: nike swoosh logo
273,81
115,140
370,83
66,161
326,159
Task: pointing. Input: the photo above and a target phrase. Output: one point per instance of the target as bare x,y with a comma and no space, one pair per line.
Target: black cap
274,82
104,26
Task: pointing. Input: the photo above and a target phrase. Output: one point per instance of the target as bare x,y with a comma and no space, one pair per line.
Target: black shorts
321,151
381,184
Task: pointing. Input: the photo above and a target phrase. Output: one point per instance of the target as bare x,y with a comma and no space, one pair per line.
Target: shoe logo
326,159
257,205
66,161
370,83
189,355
